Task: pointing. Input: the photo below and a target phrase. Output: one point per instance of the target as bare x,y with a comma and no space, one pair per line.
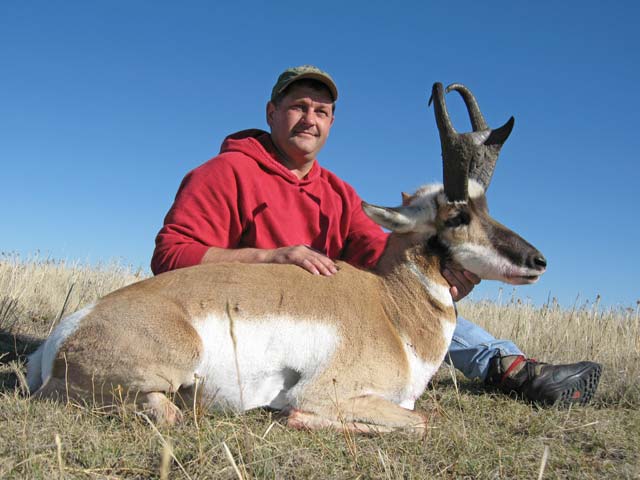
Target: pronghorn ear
406,198
400,219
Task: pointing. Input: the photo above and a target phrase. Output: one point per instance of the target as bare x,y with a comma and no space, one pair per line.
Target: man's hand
301,255
305,257
461,281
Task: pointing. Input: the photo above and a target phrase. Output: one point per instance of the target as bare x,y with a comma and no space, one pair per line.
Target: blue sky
104,106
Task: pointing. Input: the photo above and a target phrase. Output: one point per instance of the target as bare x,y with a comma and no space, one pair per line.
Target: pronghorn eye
461,218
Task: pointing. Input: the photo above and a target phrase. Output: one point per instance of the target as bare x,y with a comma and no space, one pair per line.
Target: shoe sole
584,388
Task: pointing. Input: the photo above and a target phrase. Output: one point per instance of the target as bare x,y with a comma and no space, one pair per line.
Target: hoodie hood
257,144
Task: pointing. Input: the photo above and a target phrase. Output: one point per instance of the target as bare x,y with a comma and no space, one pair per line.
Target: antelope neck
436,290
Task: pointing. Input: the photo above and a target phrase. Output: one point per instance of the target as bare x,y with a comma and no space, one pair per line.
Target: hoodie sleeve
204,214
365,239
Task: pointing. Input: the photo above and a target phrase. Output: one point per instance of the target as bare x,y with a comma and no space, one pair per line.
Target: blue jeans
473,347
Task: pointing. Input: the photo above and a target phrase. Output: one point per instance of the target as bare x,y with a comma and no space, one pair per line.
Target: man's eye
322,113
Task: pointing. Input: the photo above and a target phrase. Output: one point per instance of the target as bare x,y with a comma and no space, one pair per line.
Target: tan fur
362,415
143,345
140,337
415,313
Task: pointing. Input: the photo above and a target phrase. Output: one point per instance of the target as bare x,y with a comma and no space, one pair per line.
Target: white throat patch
438,292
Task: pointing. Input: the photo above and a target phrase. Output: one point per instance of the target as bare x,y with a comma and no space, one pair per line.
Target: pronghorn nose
537,261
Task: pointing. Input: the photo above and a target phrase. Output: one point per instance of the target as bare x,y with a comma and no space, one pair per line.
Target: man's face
300,123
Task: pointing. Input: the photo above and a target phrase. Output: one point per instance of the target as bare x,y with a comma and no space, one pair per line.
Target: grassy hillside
472,433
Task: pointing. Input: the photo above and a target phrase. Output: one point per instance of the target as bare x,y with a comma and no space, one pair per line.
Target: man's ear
270,109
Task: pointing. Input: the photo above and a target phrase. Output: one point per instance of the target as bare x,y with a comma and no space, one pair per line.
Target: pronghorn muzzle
527,262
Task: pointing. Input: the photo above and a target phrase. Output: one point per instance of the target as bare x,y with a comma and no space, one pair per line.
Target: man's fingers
309,266
303,256
318,264
472,277
327,269
460,284
456,278
325,265
454,293
448,276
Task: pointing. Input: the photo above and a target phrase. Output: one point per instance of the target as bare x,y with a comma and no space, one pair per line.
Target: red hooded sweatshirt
245,198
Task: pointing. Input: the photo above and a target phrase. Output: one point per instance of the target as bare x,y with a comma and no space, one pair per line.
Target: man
265,199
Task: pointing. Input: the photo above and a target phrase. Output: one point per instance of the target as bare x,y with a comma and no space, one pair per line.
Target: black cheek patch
434,246
462,218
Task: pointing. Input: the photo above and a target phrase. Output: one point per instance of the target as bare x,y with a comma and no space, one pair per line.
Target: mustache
309,132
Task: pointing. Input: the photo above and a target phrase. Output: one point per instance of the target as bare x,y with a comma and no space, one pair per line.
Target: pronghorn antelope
353,350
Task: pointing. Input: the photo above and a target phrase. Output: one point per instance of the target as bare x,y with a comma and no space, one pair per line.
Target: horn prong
481,169
500,134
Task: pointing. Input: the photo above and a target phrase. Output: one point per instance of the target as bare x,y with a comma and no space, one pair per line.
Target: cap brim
314,76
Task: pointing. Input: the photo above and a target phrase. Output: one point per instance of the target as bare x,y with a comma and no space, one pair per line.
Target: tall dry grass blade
568,429
64,306
165,461
164,442
59,455
66,376
234,341
22,381
8,308
266,432
543,463
196,384
232,461
346,432
387,472
452,373
637,326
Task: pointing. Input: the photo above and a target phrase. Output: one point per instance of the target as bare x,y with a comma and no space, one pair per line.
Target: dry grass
35,292
472,433
610,336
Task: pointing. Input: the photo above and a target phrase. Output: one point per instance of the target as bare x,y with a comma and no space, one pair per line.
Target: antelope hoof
163,410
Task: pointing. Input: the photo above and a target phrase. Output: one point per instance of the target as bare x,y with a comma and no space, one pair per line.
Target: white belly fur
421,371
276,357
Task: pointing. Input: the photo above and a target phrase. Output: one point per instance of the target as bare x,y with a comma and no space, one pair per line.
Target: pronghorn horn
484,162
487,142
479,149
455,150
475,115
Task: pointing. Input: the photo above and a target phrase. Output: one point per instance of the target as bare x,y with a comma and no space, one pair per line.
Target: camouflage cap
294,74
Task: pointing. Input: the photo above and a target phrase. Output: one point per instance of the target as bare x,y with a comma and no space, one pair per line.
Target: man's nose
309,117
